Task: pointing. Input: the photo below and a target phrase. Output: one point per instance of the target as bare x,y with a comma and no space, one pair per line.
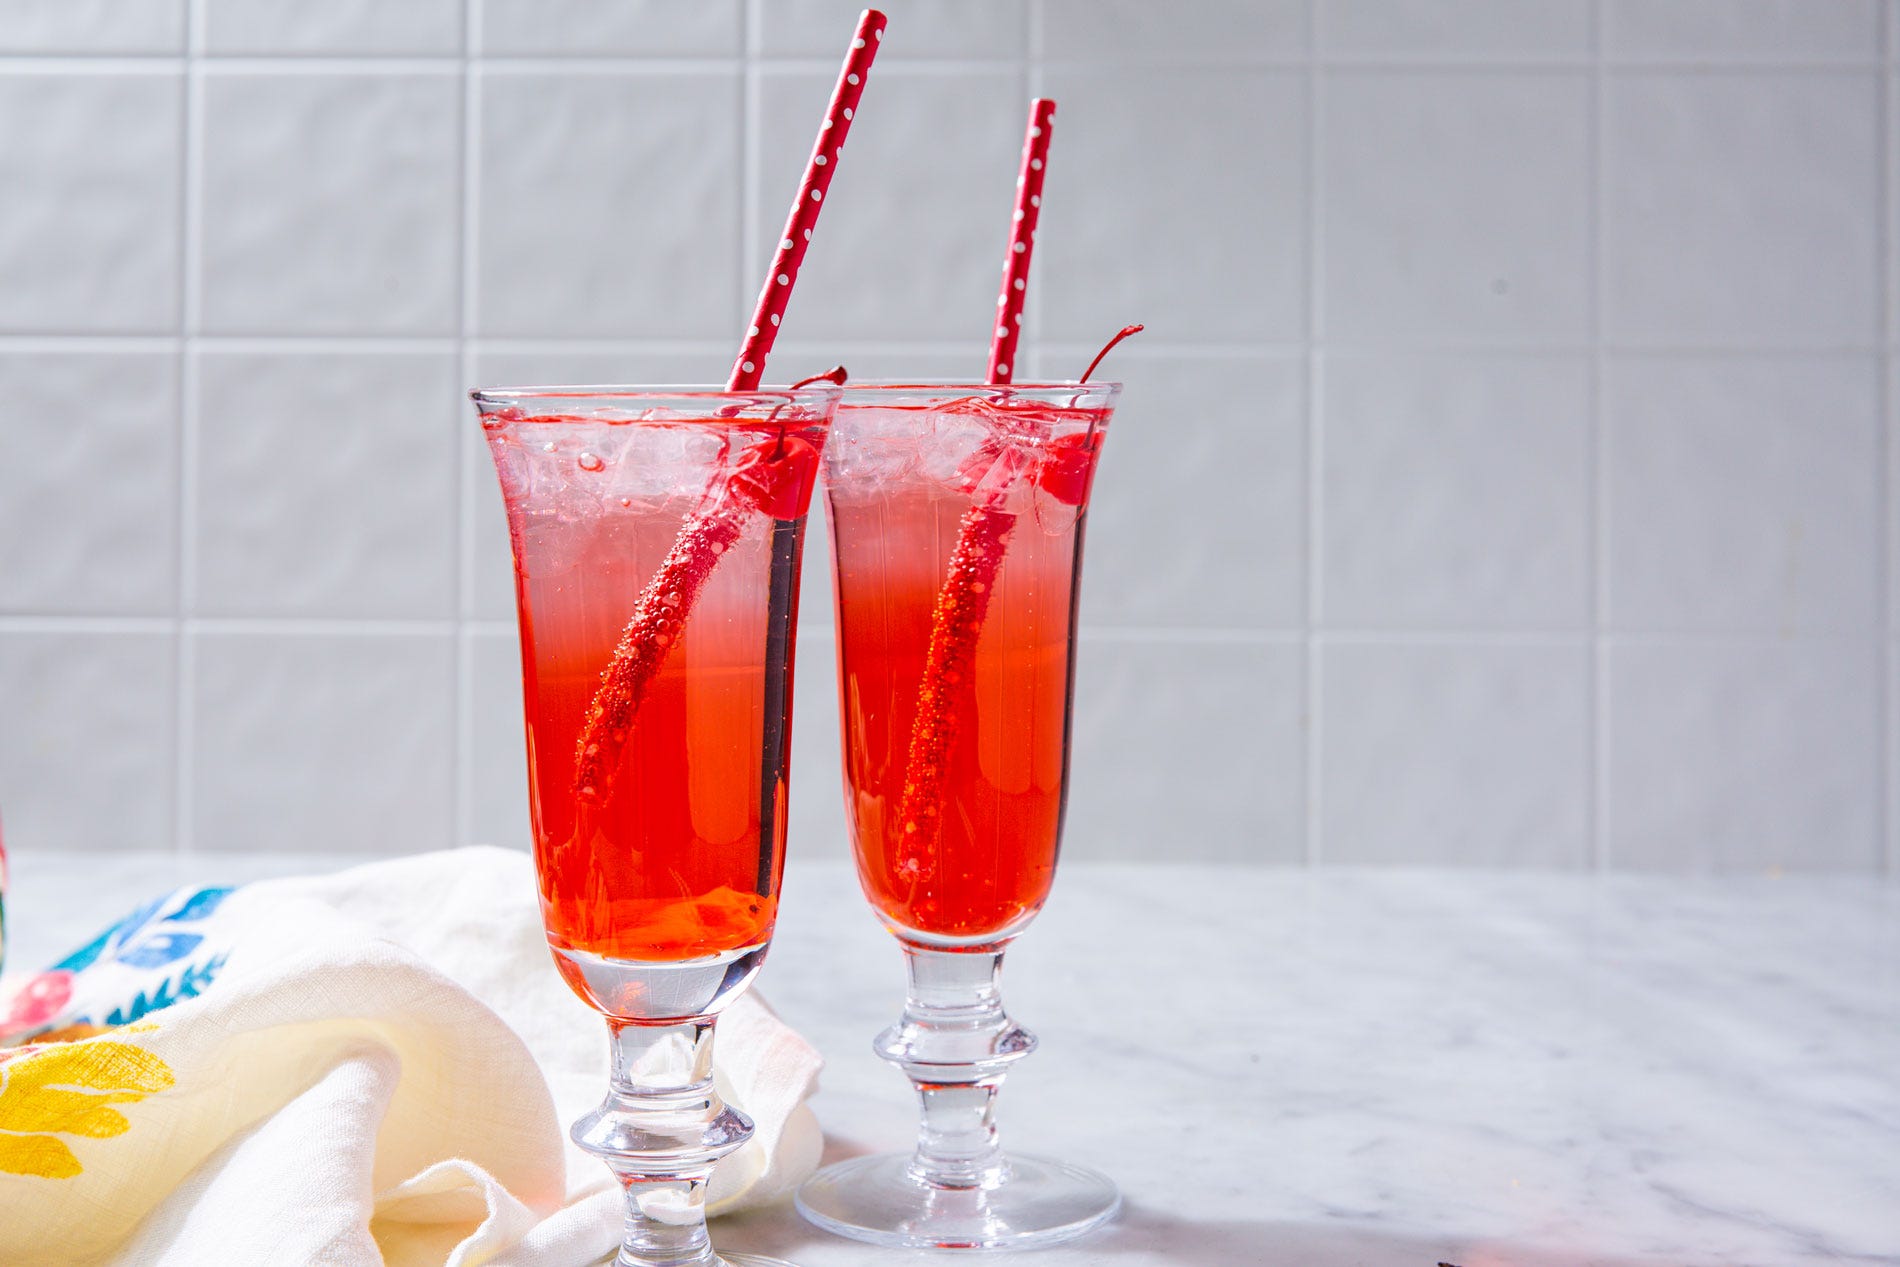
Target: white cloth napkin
373,1067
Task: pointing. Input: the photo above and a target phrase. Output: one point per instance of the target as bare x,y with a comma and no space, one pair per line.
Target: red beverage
956,815
669,845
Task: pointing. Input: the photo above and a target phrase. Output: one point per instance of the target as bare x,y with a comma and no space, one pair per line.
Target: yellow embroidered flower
68,1089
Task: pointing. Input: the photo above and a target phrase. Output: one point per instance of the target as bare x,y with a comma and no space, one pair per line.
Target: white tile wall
1741,493
336,26
93,26
929,222
926,29
87,746
1449,493
1764,30
288,520
1432,30
1175,557
1505,477
95,528
1199,740
1083,30
92,165
1454,206
603,200
1741,208
322,740
1178,194
329,201
1745,754
630,28
1466,752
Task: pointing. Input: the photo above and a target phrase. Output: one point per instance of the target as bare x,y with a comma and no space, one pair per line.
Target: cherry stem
1110,347
836,374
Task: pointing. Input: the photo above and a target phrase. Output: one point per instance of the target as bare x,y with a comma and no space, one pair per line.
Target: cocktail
957,516
657,537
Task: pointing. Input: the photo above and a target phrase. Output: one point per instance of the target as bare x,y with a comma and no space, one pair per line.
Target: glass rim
617,392
1068,386
1057,393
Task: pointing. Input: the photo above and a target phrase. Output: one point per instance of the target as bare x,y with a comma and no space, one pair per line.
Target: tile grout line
462,707
190,320
1883,452
1031,86
751,159
396,344
248,626
1312,592
555,63
1275,635
1596,570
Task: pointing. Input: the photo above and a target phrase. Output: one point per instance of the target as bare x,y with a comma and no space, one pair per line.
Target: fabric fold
376,1066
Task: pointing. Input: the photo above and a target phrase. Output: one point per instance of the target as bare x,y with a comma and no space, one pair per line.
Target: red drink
669,847
955,793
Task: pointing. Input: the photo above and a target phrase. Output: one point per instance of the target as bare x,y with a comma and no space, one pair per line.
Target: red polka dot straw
982,540
1022,241
771,478
749,368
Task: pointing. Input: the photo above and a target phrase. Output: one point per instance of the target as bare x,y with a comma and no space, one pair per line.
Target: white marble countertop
1354,1068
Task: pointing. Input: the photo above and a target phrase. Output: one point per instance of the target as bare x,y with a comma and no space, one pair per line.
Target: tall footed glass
957,516
657,536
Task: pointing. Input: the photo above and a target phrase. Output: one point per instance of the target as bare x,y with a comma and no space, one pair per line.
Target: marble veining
1329,1069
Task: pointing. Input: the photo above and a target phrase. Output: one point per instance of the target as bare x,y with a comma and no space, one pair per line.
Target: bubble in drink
559,531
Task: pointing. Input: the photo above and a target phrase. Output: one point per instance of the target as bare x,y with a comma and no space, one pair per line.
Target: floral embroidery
38,1001
69,1089
168,950
186,985
134,940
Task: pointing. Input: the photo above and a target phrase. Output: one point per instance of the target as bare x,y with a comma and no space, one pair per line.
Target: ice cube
660,464
962,441
871,447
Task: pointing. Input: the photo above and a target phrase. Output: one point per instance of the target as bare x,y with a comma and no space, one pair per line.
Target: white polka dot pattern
749,367
1022,239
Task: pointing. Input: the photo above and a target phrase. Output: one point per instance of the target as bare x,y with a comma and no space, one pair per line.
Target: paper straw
956,622
749,368
1022,241
756,485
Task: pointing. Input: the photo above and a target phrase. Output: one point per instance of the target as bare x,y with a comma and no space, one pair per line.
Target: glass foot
875,1199
751,1260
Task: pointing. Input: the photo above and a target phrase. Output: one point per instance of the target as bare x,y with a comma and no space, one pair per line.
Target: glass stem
660,1130
955,1043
